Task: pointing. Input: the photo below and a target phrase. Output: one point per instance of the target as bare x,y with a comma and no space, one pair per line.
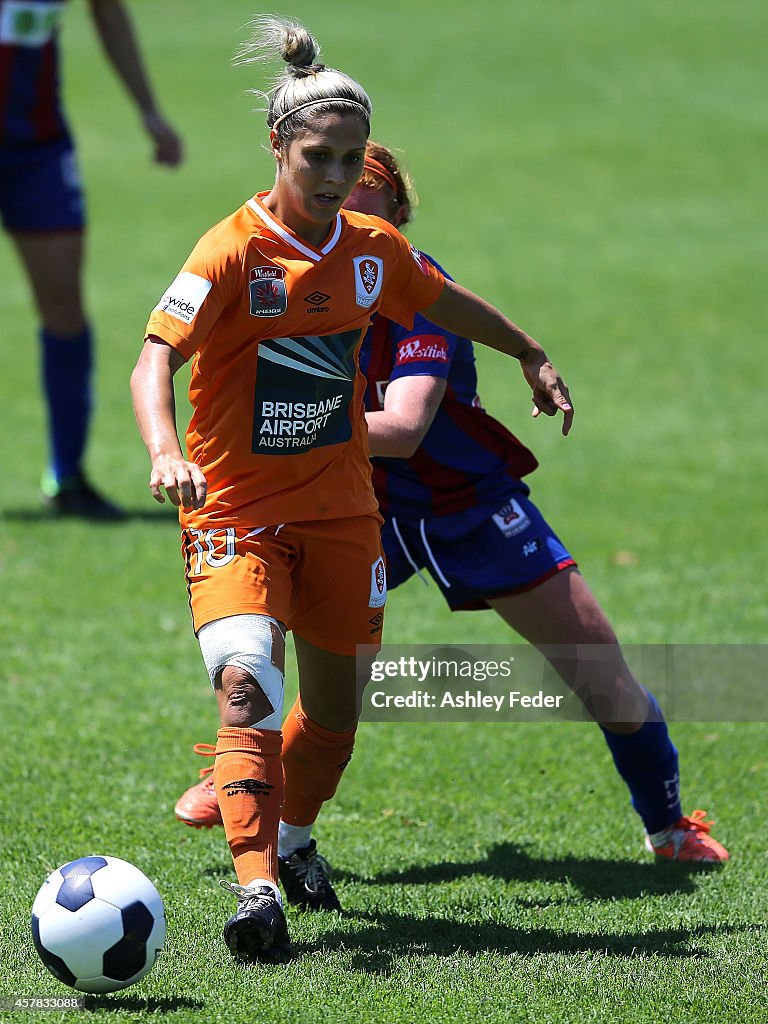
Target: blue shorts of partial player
40,187
500,550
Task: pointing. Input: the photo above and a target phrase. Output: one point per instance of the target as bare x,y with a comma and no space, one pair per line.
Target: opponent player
449,482
41,205
276,491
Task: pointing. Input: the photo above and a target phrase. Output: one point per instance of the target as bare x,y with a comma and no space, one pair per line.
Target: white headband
312,103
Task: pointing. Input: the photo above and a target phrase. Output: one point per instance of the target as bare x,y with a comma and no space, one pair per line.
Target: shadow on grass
392,936
41,515
595,878
118,1003
218,871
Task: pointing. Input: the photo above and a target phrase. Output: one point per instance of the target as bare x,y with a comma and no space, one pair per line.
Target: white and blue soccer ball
98,924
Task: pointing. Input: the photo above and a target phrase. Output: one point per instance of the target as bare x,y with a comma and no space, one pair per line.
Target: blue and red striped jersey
467,459
30,102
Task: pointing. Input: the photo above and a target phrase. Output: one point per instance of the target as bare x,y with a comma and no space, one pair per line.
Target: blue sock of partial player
647,761
66,371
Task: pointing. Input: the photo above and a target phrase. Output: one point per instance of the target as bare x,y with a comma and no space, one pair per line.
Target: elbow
409,445
407,442
136,379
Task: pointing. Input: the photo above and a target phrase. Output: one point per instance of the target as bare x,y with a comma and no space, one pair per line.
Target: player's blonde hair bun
299,49
303,87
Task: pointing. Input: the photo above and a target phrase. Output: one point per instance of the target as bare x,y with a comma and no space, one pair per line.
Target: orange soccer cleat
688,840
199,806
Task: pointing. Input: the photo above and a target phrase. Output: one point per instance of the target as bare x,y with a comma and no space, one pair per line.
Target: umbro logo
251,786
316,298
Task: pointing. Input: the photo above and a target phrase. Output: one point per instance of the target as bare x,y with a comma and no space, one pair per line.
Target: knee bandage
254,643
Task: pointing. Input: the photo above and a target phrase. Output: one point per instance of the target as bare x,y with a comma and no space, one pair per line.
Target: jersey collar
288,236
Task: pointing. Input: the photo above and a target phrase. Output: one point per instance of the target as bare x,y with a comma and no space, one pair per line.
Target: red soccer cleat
688,840
199,806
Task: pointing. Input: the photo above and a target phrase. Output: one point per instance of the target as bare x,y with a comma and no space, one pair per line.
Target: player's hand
183,482
549,392
168,148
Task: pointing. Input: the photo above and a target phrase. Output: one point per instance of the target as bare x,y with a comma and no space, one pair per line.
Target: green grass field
597,170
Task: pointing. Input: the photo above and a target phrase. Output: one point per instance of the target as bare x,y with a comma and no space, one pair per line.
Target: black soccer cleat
73,496
305,877
257,932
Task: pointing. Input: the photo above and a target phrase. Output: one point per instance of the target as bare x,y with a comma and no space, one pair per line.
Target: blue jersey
30,103
467,459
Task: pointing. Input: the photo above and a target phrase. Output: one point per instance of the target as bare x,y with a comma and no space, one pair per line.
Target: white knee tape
246,641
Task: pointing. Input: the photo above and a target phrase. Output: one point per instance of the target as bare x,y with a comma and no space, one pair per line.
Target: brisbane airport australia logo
304,386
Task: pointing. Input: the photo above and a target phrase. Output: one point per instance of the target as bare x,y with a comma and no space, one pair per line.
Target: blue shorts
512,549
40,187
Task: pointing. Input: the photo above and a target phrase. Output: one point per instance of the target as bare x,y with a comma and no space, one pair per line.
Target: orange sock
248,778
314,760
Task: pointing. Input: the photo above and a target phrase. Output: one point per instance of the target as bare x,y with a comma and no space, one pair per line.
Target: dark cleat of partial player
257,931
305,877
73,496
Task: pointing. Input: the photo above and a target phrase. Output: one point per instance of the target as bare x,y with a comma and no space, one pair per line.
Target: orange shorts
325,580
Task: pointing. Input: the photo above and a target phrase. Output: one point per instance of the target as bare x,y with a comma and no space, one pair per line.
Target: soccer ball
98,924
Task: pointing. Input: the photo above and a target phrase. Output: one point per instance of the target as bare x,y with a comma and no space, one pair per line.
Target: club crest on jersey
369,276
267,291
511,519
378,584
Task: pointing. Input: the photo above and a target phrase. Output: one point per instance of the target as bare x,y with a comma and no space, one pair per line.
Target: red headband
378,169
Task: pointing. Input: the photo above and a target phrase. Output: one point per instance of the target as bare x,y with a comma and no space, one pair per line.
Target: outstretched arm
410,405
115,30
464,313
155,409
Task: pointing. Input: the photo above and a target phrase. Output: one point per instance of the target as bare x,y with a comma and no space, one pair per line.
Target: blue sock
66,372
647,761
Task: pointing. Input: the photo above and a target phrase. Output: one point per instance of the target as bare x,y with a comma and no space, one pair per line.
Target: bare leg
331,686
563,619
53,262
240,698
319,731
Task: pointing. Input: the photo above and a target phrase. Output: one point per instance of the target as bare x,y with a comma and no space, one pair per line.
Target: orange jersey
273,327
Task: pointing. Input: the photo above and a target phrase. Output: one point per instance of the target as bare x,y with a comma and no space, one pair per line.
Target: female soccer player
448,480
276,492
41,205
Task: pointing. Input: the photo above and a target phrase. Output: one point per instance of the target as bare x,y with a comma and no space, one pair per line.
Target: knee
342,719
244,655
595,627
242,700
